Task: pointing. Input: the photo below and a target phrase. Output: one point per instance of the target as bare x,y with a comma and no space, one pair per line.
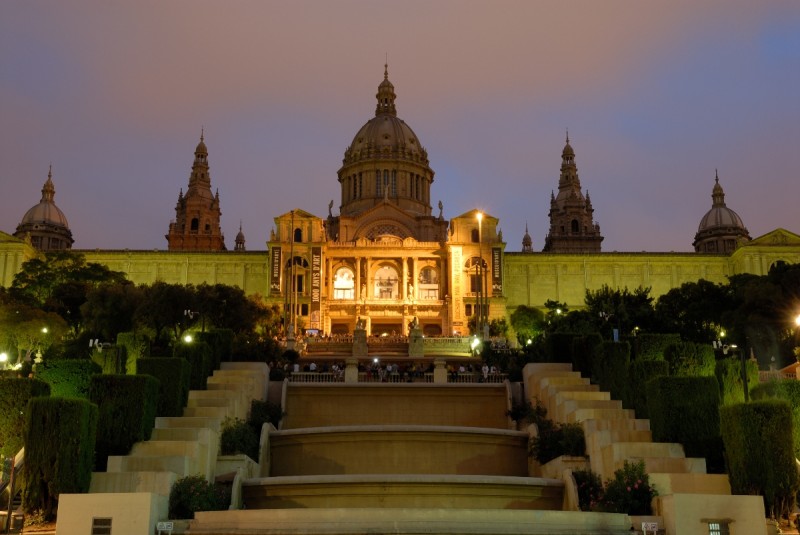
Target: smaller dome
721,230
201,147
45,224
46,212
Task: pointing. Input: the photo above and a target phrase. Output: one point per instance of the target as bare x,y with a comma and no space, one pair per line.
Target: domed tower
196,225
527,242
45,224
386,166
572,228
721,230
239,243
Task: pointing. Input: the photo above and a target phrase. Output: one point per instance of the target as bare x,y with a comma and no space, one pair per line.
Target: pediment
8,238
777,238
384,223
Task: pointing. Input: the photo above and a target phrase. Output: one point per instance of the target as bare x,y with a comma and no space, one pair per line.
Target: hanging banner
497,272
316,287
275,274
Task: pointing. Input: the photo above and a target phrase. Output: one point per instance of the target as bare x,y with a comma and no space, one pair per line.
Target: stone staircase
179,446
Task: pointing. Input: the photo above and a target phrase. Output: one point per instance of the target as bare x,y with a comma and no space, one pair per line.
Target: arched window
298,235
428,283
344,284
575,226
386,283
476,236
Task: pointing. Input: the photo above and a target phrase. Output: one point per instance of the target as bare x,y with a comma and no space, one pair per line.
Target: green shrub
556,439
585,350
729,376
198,354
127,412
14,395
136,347
221,343
173,379
111,360
629,492
788,391
559,346
689,359
67,378
238,437
651,346
759,452
639,373
686,410
590,489
610,368
59,451
262,412
193,493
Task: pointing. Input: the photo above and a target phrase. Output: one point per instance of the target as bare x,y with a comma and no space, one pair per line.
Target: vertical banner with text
316,286
497,272
275,274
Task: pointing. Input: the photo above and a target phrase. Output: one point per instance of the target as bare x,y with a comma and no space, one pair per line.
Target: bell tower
572,228
197,214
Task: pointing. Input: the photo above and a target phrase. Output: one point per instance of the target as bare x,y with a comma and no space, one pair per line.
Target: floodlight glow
44,330
797,320
475,343
188,338
3,357
529,342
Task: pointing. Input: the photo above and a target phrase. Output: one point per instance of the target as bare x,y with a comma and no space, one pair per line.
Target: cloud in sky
656,96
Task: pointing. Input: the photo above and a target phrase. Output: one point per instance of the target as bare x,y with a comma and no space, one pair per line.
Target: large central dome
385,162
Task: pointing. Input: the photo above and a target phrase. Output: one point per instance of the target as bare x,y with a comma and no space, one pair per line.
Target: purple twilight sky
656,96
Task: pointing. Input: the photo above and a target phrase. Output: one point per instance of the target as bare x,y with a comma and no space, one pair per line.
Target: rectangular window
474,283
719,527
468,310
394,183
298,286
101,526
378,183
304,309
360,186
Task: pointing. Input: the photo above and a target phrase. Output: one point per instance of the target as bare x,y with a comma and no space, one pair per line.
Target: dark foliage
173,379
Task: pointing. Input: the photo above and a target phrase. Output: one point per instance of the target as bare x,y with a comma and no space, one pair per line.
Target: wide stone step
591,425
581,414
169,422
690,483
209,412
180,465
597,440
564,401
156,482
402,521
156,448
198,434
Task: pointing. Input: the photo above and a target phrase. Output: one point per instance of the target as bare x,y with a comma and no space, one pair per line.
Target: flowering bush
193,493
590,489
238,437
629,492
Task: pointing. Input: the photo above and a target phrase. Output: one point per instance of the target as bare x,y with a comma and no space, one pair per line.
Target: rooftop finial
716,175
202,133
50,171
386,68
567,135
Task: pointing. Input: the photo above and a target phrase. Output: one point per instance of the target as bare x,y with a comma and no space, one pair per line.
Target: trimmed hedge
199,356
759,453
686,410
651,346
14,395
136,347
59,450
68,378
729,376
558,347
109,358
221,342
689,359
610,368
173,379
640,373
127,412
585,350
787,391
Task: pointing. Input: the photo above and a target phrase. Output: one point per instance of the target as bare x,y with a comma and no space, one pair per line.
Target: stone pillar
439,372
351,370
360,339
415,343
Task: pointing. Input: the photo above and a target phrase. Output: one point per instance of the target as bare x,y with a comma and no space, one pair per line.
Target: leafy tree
28,330
695,310
59,282
162,309
620,309
527,322
109,309
226,307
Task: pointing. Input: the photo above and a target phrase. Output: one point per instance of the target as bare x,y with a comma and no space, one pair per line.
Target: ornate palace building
389,256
